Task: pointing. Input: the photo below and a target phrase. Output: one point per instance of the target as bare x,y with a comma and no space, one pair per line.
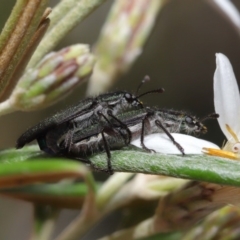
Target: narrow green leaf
40,165
29,165
13,155
41,170
65,194
197,167
63,189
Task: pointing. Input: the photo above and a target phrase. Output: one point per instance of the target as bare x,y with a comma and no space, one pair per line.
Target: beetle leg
69,136
143,133
159,124
123,125
68,140
110,170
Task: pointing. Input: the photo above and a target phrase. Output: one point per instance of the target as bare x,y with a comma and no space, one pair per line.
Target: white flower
161,143
227,105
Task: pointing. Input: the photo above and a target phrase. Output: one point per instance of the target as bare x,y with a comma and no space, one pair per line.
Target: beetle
106,137
83,114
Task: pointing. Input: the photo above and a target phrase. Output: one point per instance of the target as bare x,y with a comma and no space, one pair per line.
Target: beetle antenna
160,90
145,79
210,116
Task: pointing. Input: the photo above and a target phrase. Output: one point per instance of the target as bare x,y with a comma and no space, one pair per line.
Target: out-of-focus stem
13,50
45,219
84,221
88,216
121,41
11,22
62,8
110,187
69,19
26,57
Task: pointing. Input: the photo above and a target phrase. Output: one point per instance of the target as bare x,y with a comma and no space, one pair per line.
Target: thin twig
25,26
37,37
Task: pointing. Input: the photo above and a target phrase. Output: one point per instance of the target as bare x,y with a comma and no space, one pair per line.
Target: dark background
179,56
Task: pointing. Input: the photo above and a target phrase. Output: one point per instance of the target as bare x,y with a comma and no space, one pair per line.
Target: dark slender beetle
82,115
140,122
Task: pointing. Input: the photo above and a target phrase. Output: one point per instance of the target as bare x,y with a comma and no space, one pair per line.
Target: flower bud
53,78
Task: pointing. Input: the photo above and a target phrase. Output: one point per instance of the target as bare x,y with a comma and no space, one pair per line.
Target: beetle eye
190,121
128,96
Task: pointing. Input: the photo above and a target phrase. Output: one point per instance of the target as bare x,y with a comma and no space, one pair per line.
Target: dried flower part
53,78
182,209
192,203
221,224
122,38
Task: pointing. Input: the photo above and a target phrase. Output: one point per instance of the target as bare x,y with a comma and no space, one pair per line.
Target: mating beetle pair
107,122
140,122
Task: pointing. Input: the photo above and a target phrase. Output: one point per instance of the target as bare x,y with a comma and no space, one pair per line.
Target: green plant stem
69,19
35,40
64,194
197,167
44,222
11,22
110,187
125,32
26,23
62,8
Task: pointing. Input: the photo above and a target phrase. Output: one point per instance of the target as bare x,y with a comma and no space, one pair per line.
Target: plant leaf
196,167
26,166
61,195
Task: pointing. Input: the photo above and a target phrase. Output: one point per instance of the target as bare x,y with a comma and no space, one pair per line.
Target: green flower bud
53,78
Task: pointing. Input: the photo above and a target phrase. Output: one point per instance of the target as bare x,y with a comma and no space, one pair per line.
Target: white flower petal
226,95
229,9
161,143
